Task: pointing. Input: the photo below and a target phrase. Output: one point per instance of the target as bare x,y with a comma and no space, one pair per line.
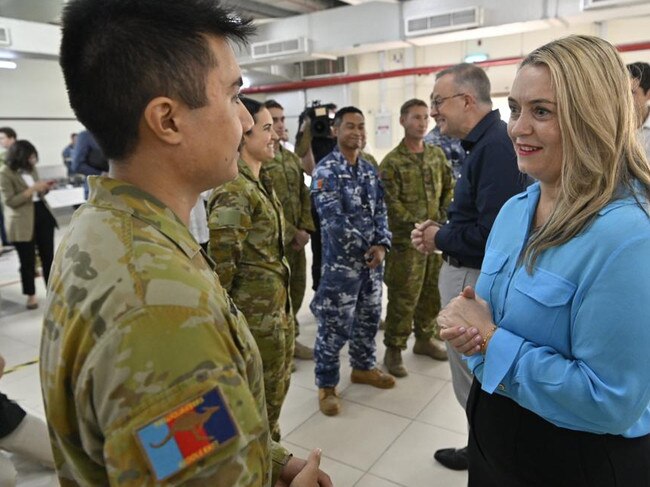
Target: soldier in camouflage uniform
247,242
285,170
148,370
348,197
419,187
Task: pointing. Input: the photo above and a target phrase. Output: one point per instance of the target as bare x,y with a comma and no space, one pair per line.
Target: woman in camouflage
246,242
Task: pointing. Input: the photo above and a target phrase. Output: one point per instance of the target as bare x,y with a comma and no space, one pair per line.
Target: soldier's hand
375,256
423,236
300,239
300,473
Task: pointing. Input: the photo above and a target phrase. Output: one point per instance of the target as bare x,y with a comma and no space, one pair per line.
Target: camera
321,116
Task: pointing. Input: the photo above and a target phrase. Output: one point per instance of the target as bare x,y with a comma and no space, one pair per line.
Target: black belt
454,262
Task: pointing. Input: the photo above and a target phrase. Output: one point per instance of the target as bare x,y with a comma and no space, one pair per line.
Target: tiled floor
382,438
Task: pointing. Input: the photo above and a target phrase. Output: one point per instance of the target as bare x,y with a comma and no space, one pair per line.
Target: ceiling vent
323,67
5,39
592,4
279,49
444,22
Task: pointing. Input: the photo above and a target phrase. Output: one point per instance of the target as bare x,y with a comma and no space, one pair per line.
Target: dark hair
9,132
118,55
338,117
470,76
640,71
18,155
253,107
273,104
413,102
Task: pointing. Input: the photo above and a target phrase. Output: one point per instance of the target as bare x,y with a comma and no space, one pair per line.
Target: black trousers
11,414
43,238
510,446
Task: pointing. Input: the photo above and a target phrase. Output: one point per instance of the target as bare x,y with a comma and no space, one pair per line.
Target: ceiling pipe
423,71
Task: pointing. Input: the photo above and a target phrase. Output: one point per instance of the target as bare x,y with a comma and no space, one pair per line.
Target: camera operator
314,141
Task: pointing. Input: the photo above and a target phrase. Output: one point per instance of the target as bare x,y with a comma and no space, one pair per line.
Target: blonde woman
246,241
557,330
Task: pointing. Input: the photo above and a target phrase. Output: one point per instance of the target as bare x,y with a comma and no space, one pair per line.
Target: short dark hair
118,55
471,76
9,132
273,104
640,71
413,102
19,153
253,107
338,117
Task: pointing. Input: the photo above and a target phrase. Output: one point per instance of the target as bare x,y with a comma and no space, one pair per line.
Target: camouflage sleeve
280,456
391,182
383,236
181,409
305,220
333,220
229,221
289,231
448,183
303,142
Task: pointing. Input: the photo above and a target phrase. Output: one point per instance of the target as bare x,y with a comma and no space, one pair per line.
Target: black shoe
453,458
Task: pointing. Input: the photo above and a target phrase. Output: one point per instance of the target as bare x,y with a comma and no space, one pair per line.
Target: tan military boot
393,362
303,352
328,401
431,347
373,377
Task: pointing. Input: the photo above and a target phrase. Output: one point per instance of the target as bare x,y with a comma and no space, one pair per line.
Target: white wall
35,104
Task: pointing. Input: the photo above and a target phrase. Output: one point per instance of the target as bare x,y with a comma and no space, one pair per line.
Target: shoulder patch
228,217
188,433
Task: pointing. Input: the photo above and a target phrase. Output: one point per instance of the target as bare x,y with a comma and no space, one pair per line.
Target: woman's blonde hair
601,155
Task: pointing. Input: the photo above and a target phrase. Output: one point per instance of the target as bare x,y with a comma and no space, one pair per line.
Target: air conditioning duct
452,20
279,49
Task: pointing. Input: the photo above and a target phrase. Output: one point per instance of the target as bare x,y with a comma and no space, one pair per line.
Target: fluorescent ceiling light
246,82
476,57
8,65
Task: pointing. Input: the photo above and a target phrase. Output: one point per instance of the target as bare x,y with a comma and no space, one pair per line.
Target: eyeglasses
437,102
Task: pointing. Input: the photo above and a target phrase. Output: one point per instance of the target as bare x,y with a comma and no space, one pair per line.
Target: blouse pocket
543,299
493,263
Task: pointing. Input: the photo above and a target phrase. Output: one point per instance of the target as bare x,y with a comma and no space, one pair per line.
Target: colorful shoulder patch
191,431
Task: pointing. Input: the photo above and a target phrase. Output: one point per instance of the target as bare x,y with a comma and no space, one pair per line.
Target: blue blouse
573,343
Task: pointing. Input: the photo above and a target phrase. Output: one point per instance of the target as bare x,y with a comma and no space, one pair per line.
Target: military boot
328,401
393,362
303,352
431,347
373,377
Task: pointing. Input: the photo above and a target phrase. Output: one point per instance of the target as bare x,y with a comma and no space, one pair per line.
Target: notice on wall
383,131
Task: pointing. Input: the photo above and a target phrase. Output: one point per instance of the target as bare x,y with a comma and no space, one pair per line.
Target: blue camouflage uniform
350,203
451,147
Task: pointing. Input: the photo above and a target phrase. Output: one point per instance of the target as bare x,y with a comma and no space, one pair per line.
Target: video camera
321,117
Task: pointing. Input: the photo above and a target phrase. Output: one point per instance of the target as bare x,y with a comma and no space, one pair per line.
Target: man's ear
160,117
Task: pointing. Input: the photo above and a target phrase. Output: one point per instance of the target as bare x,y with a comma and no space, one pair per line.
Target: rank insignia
186,434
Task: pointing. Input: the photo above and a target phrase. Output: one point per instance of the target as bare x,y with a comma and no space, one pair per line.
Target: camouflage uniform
285,170
247,244
418,187
452,148
136,324
350,204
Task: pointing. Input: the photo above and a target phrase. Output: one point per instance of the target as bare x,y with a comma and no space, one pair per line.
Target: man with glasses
462,108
